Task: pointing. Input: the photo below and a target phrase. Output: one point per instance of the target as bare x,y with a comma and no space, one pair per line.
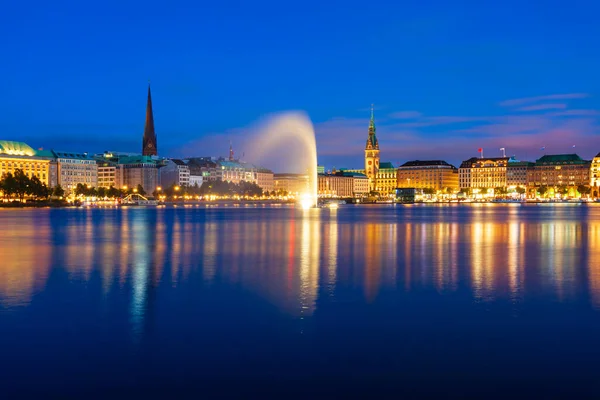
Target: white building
176,172
76,168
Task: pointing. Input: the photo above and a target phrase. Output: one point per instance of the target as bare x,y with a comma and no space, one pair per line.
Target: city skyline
444,82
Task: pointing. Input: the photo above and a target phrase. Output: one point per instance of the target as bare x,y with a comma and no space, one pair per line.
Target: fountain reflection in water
284,131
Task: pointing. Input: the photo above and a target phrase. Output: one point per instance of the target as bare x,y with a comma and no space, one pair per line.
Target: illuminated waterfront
149,299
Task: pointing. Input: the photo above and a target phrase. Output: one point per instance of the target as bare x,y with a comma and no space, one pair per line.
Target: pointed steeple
230,151
372,142
149,145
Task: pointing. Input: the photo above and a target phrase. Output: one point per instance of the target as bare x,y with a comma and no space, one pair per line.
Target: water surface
363,299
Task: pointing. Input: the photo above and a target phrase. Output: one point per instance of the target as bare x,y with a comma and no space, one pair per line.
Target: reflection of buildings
26,260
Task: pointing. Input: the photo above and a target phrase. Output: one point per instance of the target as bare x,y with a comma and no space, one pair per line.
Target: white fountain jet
284,131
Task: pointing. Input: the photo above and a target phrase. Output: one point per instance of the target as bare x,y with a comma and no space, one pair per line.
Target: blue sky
441,74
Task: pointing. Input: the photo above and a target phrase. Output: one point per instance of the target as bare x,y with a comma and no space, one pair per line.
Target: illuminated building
175,173
372,154
386,179
76,168
139,170
107,173
517,173
479,173
434,174
291,183
560,170
595,175
18,155
264,179
360,183
335,185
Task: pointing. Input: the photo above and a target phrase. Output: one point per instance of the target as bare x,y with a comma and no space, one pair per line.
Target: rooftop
560,158
386,165
16,148
72,155
426,163
473,160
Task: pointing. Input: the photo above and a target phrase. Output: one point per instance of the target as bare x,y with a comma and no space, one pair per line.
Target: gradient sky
445,77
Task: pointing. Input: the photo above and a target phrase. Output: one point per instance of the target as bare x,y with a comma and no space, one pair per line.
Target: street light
158,188
176,188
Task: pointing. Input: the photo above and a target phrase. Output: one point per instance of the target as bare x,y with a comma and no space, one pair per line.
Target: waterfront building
264,179
176,172
205,167
139,170
107,173
335,185
595,176
386,179
320,169
433,174
75,169
360,183
517,173
196,180
559,172
292,184
149,142
480,174
19,155
372,154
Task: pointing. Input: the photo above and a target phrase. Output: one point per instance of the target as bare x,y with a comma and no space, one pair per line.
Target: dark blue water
240,300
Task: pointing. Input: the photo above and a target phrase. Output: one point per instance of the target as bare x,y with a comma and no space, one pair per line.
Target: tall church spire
372,142
149,145
230,151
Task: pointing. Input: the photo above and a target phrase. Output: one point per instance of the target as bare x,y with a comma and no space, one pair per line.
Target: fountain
284,129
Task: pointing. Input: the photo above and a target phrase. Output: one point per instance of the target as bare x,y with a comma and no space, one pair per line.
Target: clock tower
372,154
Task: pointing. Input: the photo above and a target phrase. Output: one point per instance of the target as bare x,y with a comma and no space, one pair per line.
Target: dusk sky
446,77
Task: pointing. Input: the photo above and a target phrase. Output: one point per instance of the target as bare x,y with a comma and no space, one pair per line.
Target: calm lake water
449,300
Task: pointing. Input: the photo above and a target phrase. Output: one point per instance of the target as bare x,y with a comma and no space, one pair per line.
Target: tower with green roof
372,153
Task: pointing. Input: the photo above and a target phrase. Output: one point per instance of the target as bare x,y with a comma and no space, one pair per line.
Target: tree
23,184
8,185
562,190
584,190
58,191
429,191
101,192
113,192
521,190
542,190
140,189
500,190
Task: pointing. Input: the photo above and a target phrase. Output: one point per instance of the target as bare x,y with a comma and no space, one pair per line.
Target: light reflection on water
286,255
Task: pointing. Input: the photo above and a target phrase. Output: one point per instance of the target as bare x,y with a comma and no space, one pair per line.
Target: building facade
107,173
483,173
560,171
175,173
517,174
292,184
595,176
335,185
434,174
360,183
386,180
264,179
75,169
19,155
372,154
